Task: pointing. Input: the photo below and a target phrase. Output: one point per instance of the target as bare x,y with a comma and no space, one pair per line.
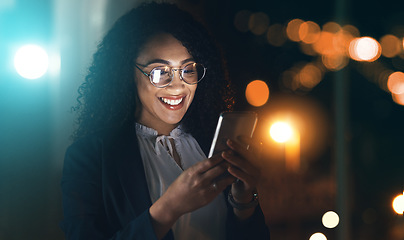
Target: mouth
172,103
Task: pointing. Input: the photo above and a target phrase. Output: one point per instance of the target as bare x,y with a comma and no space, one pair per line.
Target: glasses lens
160,76
193,73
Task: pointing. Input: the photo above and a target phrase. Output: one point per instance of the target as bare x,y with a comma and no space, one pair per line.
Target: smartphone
231,125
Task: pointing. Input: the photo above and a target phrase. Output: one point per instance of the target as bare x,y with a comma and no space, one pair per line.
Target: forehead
163,46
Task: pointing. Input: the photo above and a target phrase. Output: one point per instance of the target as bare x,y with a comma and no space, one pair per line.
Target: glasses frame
172,75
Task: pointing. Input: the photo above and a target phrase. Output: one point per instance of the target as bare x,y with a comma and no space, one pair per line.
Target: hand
241,167
193,189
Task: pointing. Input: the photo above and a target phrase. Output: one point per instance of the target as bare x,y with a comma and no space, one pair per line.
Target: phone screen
232,125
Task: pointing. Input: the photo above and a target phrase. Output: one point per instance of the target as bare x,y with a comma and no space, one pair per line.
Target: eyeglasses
163,76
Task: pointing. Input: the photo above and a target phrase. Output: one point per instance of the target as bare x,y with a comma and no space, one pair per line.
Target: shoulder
87,153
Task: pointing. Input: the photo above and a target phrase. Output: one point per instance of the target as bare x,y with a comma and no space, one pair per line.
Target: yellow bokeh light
281,132
330,219
364,49
318,236
258,23
391,45
395,83
398,204
257,93
292,29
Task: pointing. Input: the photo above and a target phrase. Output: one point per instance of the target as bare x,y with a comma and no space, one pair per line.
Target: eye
162,71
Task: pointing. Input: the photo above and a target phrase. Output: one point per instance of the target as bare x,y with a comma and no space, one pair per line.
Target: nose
177,83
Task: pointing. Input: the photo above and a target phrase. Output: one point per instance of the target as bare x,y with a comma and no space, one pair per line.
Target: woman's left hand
240,166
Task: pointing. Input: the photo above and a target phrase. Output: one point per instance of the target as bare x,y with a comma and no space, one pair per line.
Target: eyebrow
162,61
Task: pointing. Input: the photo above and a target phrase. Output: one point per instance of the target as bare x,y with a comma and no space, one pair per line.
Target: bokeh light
281,132
364,49
309,32
395,83
398,204
292,29
331,27
276,35
391,45
398,98
257,93
318,236
258,23
31,61
330,219
241,20
310,75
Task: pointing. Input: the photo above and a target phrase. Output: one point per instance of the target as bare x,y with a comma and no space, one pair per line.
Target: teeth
172,101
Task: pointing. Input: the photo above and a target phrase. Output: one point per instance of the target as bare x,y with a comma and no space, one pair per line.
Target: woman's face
163,108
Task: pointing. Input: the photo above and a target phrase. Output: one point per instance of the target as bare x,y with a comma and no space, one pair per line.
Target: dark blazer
105,194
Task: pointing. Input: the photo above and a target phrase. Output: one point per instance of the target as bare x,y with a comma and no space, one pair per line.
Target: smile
172,102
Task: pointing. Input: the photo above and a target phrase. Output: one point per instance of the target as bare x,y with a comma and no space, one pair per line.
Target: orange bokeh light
258,23
310,75
331,27
364,49
395,83
276,35
309,32
334,62
257,93
398,98
241,20
292,29
391,45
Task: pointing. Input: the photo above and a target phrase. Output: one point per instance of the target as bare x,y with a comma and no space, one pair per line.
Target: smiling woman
147,110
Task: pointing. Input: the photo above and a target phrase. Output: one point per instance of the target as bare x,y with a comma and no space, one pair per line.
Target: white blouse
206,223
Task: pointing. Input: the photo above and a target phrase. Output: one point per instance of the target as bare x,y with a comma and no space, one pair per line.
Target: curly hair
108,97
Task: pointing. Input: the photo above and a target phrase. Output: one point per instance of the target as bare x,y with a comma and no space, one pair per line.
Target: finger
222,182
239,162
248,179
215,171
208,163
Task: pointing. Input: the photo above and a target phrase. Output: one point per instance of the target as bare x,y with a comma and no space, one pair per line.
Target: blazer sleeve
84,211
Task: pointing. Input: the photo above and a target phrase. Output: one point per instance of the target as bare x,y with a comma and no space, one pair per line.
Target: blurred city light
292,29
280,132
330,219
257,93
395,83
241,20
364,49
31,61
391,45
398,204
276,35
318,236
309,32
310,75
258,23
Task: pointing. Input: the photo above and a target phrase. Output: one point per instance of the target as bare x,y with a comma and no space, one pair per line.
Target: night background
351,147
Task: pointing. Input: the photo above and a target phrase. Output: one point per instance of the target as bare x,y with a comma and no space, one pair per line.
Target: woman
147,109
